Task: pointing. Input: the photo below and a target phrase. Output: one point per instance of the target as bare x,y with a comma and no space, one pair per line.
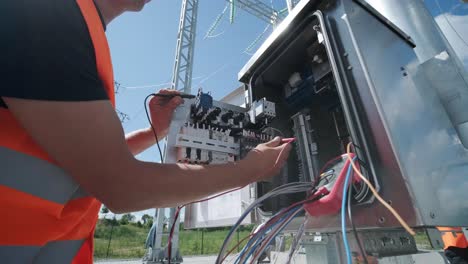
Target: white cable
294,245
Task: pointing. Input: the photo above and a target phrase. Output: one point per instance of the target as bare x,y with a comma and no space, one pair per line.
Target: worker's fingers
170,101
176,101
283,146
284,151
273,143
160,101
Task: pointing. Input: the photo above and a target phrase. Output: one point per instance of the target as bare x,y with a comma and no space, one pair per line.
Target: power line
122,116
158,85
450,24
148,86
213,73
252,45
216,23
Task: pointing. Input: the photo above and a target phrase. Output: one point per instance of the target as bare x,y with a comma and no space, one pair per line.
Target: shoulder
48,52
39,28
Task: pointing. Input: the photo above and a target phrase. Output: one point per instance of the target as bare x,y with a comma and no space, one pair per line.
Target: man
62,147
455,244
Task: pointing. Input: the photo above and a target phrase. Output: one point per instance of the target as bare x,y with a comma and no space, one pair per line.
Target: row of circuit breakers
214,134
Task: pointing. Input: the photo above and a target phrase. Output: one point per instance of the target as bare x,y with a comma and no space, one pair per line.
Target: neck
108,10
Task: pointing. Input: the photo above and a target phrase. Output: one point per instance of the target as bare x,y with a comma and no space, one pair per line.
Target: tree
104,210
150,223
111,222
146,218
127,218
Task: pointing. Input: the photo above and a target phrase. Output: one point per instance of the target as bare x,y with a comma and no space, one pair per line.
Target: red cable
281,213
272,232
234,248
267,224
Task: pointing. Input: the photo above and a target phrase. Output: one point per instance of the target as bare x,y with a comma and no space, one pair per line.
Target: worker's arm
160,111
87,141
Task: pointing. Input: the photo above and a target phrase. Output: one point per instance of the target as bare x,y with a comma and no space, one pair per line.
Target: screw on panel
390,202
432,215
402,68
405,74
382,220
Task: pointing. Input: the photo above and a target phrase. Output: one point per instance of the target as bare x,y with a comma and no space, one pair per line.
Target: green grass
128,241
422,241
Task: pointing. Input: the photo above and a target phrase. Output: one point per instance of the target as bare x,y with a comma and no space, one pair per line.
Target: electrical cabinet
335,72
342,72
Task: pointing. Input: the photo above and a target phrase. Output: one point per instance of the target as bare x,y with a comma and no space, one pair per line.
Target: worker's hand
161,110
267,159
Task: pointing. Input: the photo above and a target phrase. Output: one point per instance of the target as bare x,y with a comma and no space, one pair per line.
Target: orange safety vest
453,237
46,216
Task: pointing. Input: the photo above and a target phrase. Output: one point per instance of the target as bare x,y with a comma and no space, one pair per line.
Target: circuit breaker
206,131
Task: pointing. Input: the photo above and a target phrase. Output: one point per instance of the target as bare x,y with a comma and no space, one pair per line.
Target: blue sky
143,47
143,50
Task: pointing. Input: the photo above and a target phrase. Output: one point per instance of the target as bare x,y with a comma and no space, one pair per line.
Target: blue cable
233,228
256,236
280,230
343,215
261,234
258,241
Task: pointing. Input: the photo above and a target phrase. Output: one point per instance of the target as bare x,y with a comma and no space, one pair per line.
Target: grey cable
294,187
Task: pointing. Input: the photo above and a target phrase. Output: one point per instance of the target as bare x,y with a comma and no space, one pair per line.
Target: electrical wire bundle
352,166
262,238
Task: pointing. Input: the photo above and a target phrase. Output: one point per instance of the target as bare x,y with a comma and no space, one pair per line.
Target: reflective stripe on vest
37,177
57,252
47,218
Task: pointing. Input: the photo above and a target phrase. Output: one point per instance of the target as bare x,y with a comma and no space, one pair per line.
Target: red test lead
287,140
